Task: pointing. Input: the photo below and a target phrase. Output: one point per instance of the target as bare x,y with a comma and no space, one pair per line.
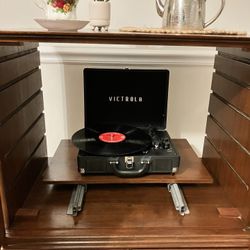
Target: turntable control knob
166,144
156,144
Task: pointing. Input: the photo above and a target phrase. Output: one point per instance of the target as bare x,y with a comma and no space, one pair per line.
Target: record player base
62,169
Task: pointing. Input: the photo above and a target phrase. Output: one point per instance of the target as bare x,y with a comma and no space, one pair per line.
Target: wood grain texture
236,70
114,37
14,69
63,169
240,54
13,50
14,96
17,158
234,189
26,178
233,93
127,216
23,145
235,123
14,128
229,150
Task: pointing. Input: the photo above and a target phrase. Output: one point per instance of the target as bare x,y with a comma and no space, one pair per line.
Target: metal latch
129,162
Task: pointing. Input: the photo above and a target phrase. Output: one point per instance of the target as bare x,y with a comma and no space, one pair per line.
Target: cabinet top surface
115,37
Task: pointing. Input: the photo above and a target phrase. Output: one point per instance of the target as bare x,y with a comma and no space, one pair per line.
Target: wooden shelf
115,37
62,169
127,216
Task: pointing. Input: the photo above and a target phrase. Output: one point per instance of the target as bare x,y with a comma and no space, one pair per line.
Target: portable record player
125,120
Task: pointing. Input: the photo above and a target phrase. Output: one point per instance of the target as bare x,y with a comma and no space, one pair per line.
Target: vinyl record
112,140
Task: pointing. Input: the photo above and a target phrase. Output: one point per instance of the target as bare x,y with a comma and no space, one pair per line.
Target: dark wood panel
12,130
63,169
26,179
232,121
14,96
231,151
18,67
232,92
115,37
233,69
236,53
14,161
14,50
2,224
203,248
234,189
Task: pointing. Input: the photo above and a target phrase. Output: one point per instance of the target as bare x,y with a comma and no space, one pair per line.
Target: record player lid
132,97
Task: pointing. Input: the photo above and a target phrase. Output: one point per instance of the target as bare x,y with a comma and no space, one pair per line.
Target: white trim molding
117,55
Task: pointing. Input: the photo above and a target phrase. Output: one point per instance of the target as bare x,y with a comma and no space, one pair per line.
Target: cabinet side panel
227,147
22,126
234,188
17,68
233,93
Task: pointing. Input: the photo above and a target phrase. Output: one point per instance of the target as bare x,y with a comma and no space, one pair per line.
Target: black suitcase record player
125,120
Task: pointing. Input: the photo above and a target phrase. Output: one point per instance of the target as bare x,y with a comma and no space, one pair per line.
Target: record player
125,120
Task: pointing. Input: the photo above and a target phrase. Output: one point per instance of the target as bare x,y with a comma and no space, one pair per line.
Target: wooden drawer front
13,69
26,178
233,93
15,160
12,130
232,121
231,151
236,70
235,190
15,51
14,96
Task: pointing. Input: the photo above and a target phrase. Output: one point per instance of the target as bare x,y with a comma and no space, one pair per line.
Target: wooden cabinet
119,216
226,151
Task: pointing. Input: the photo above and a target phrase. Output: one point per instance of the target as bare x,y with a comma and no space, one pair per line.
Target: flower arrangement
63,6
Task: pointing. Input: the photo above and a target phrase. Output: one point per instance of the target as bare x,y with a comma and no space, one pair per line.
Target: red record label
112,137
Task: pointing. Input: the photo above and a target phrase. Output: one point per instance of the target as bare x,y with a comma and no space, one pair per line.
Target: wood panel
231,120
2,223
13,50
12,130
23,145
14,96
116,37
17,158
230,150
240,54
26,178
233,93
131,216
233,69
18,67
227,154
234,188
203,248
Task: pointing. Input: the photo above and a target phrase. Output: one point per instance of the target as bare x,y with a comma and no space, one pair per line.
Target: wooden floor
135,216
